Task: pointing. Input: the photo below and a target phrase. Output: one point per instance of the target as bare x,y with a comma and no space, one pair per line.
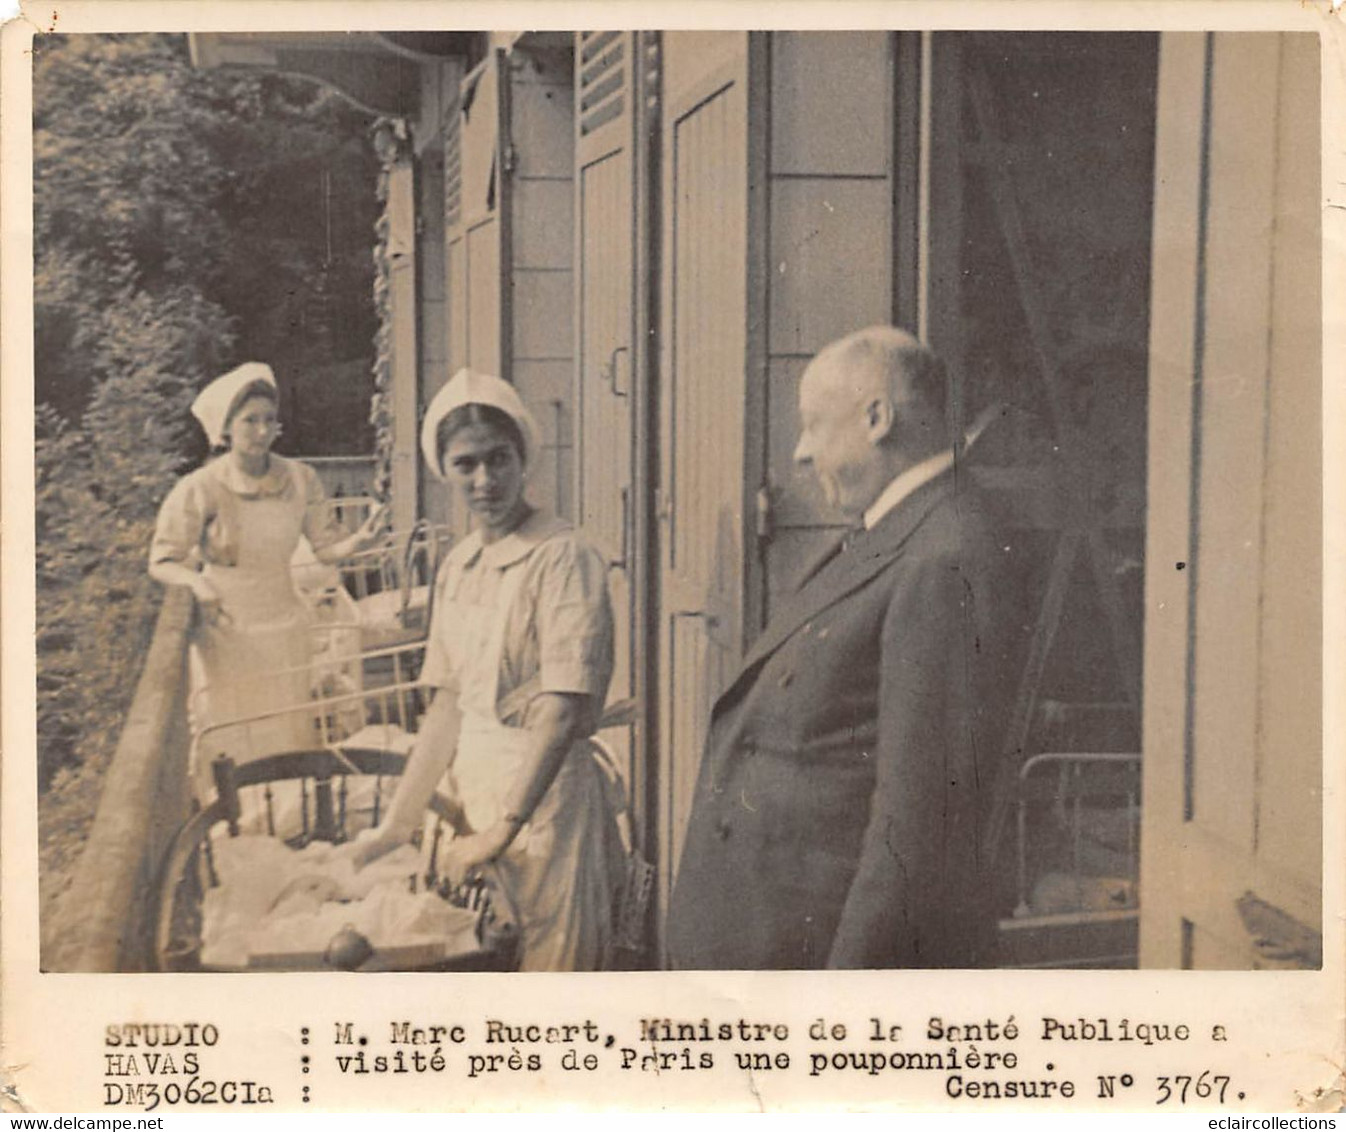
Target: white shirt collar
275,481
905,483
518,544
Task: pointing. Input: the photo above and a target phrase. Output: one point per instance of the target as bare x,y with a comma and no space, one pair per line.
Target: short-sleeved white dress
243,531
524,615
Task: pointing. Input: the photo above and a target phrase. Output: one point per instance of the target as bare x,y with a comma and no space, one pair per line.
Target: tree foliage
184,221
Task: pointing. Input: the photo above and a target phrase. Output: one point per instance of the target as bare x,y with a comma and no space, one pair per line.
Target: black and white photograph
680,502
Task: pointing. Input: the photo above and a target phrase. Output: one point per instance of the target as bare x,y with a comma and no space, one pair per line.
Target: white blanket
274,901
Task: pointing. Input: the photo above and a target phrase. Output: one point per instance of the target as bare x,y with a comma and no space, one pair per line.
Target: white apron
253,661
562,869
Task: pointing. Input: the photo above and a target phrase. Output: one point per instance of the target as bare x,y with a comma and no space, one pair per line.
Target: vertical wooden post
405,369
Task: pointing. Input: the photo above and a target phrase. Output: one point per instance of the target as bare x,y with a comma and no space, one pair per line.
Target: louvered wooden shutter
605,65
453,164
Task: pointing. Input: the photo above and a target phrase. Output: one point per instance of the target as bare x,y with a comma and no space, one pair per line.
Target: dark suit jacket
836,815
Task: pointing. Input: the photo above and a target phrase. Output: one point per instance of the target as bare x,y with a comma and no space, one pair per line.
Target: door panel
605,233
1233,709
1292,615
704,339
605,348
605,382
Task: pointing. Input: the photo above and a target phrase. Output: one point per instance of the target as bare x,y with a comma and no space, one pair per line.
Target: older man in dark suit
836,816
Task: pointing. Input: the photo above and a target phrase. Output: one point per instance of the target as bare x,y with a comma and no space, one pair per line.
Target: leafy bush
98,485
179,229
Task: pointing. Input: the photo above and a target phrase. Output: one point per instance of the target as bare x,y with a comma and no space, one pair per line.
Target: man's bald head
871,405
886,361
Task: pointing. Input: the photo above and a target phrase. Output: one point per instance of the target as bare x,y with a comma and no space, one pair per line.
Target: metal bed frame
1093,920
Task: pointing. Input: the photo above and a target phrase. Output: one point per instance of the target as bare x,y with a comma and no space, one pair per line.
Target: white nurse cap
471,388
216,401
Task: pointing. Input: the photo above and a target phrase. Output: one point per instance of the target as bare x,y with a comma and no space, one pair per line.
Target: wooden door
1232,835
605,288
703,334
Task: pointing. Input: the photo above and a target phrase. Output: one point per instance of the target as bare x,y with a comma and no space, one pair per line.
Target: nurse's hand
374,527
464,855
208,602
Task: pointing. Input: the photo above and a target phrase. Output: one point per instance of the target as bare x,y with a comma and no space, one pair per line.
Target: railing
105,919
343,476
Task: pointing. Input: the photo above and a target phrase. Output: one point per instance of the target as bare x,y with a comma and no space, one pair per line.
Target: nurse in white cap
520,655
227,532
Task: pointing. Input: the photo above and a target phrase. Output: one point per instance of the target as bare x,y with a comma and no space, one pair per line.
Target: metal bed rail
1077,898
1068,796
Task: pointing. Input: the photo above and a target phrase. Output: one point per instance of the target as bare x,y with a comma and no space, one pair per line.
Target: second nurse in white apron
519,655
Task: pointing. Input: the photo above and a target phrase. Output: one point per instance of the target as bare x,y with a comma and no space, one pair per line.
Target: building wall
541,244
504,246
829,252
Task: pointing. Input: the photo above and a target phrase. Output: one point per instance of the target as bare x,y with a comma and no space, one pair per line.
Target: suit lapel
840,574
817,564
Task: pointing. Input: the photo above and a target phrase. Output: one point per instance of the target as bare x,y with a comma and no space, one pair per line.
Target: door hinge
509,158
766,513
624,561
